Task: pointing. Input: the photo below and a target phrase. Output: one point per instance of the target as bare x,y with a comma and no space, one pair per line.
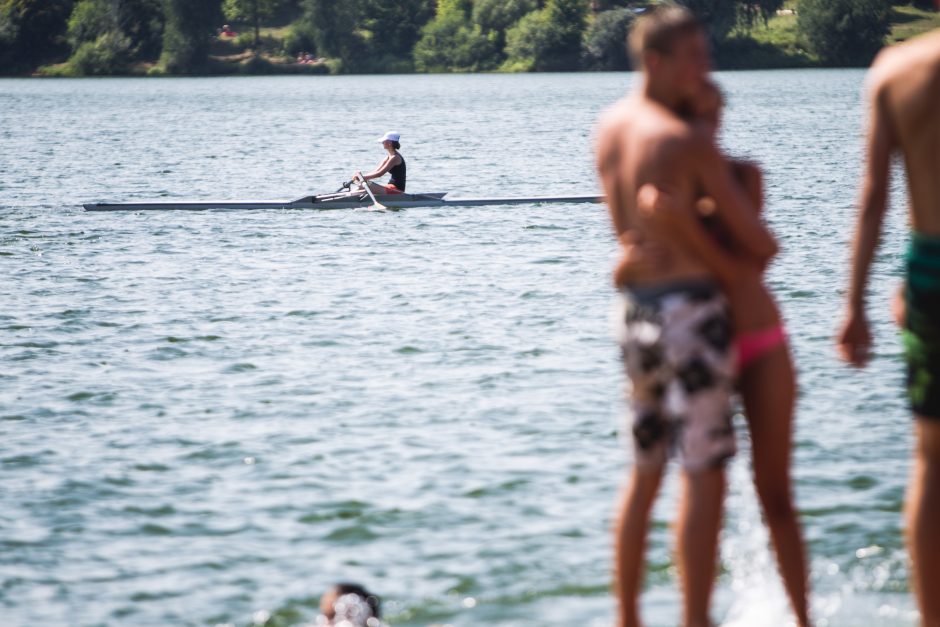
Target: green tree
548,40
106,55
139,22
605,42
251,12
844,32
719,16
32,32
498,16
396,26
450,42
335,25
190,26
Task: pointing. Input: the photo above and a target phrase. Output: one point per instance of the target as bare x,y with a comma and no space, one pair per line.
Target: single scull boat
339,200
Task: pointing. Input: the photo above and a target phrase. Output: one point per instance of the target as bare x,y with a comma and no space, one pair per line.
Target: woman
393,164
766,376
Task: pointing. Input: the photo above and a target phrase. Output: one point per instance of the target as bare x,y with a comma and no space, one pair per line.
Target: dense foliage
548,39
845,32
106,36
189,28
182,36
333,23
605,45
250,12
719,15
32,32
450,42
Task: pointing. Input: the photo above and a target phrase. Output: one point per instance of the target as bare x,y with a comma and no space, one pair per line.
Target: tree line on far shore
107,37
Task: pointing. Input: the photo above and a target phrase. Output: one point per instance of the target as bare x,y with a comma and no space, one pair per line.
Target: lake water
206,418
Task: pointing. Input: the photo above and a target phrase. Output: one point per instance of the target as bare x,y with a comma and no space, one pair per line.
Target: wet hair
396,145
343,588
659,28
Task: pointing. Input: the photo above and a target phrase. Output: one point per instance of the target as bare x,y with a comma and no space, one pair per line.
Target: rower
393,164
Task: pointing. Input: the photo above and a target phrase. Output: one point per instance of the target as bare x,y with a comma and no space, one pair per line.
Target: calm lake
207,418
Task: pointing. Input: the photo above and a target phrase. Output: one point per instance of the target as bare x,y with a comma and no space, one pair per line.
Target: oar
375,203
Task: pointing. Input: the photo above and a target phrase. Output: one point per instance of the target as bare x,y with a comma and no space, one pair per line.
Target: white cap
391,136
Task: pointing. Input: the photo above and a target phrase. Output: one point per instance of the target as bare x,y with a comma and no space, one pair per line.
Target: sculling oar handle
375,203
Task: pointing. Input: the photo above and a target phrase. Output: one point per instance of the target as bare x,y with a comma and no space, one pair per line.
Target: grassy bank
778,43
909,22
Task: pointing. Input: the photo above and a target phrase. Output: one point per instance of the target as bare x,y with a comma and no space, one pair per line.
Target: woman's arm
663,213
734,207
386,165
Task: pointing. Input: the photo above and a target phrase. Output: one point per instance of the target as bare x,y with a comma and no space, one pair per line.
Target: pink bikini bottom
753,345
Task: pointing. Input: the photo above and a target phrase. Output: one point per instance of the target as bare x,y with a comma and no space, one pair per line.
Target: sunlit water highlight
206,418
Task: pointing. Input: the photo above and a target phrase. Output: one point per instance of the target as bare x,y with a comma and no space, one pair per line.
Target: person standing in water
393,165
766,377
904,89
676,326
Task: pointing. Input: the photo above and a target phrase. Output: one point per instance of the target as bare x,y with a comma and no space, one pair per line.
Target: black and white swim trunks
676,341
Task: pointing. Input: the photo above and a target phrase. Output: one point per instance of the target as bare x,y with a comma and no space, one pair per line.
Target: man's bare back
905,88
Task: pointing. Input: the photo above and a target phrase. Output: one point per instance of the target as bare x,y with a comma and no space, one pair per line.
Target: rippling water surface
206,418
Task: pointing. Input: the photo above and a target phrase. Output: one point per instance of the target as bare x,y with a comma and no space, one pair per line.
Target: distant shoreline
774,45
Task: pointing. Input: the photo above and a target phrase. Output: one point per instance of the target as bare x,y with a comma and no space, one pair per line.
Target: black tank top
398,174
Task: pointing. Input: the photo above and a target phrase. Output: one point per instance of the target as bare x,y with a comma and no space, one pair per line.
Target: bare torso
641,142
906,84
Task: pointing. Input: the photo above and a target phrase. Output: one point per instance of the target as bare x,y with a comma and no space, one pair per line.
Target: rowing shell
337,201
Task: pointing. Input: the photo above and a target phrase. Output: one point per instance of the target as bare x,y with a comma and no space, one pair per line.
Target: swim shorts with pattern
677,349
921,332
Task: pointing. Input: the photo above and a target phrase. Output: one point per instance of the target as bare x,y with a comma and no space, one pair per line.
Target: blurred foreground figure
349,605
904,90
766,377
676,325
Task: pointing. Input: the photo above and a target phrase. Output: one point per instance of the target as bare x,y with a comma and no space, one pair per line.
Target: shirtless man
676,327
904,87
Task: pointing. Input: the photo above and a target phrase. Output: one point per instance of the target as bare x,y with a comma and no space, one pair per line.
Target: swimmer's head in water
669,42
350,605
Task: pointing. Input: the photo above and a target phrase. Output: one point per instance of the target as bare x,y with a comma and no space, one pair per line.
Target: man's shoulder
637,115
894,63
617,114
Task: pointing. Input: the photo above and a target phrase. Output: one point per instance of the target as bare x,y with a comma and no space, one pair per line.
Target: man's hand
899,306
854,341
660,209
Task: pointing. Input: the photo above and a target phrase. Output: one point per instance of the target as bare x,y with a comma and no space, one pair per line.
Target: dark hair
344,588
687,109
658,29
396,145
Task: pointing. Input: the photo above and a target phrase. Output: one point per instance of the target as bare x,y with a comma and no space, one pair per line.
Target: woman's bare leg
768,389
377,188
697,531
630,541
